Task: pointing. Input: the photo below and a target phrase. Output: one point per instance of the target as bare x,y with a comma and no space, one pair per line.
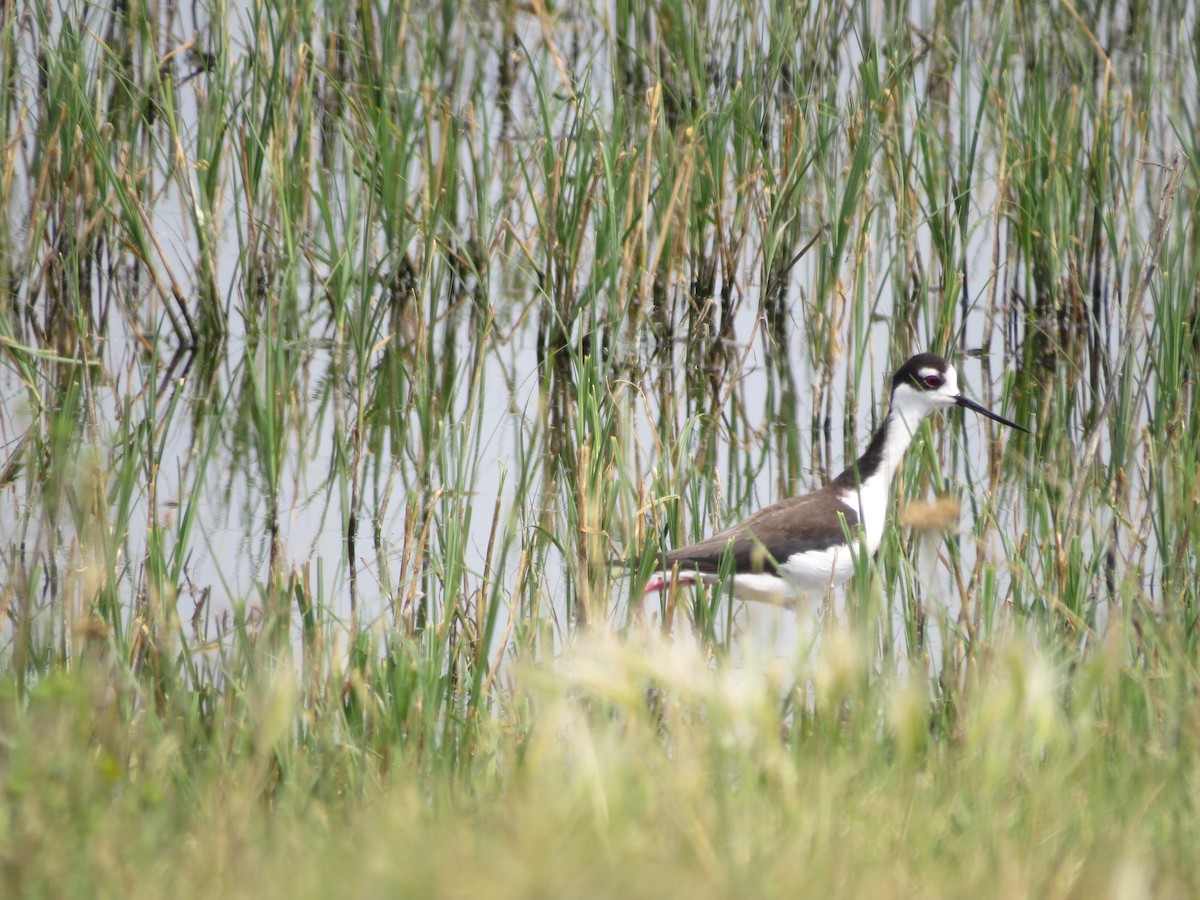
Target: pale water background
231,549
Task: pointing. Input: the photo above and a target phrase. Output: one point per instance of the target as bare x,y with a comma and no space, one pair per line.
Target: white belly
809,575
820,569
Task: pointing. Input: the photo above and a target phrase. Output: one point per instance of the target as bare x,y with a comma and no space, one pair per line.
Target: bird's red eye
934,381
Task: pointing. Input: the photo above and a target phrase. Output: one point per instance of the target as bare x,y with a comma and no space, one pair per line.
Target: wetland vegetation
344,349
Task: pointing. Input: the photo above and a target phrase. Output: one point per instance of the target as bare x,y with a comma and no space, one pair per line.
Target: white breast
870,501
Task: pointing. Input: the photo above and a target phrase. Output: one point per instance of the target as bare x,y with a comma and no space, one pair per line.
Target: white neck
903,419
870,497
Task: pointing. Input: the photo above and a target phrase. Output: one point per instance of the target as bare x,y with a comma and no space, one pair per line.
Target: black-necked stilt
799,545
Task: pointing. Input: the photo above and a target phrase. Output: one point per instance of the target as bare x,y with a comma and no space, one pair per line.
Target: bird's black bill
984,411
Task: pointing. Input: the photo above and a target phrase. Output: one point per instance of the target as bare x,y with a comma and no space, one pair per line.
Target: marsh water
419,319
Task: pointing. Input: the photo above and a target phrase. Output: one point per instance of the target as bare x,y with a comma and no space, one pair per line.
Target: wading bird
798,545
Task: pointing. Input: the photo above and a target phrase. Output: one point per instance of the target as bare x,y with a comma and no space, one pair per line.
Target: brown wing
795,525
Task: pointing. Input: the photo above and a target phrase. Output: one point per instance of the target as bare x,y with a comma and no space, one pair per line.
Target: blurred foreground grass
634,768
